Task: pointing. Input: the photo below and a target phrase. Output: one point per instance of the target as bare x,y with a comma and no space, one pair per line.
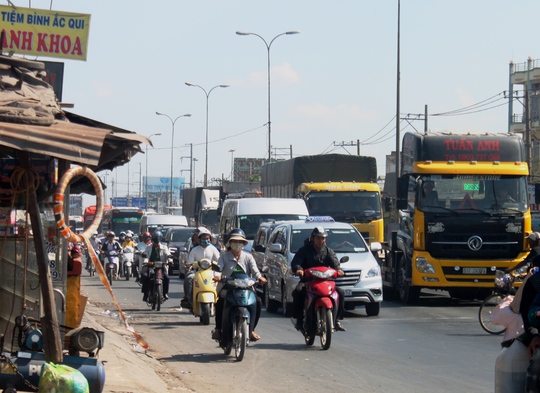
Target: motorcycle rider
111,245
203,250
138,265
96,245
314,253
229,261
121,237
156,252
128,241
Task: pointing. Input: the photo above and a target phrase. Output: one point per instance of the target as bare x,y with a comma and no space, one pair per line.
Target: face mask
204,243
237,247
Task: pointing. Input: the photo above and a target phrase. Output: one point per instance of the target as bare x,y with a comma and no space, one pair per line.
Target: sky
334,82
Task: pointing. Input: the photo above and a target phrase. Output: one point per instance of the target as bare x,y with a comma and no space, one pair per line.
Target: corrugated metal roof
68,141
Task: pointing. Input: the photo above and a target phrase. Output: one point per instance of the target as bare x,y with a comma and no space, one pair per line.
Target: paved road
437,345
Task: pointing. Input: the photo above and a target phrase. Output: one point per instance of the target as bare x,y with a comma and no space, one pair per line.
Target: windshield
180,235
342,240
473,193
250,224
360,204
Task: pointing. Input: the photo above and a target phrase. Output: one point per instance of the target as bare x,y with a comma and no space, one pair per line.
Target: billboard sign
33,31
245,168
163,184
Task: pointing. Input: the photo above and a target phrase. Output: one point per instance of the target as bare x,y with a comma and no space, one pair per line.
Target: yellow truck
337,185
464,213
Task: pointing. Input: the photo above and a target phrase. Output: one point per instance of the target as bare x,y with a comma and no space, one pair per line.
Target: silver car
362,282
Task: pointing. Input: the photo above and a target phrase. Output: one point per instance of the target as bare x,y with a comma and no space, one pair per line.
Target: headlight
374,272
423,266
205,263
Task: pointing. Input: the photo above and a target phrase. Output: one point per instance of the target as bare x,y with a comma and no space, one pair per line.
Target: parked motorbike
112,264
320,306
128,262
204,290
240,306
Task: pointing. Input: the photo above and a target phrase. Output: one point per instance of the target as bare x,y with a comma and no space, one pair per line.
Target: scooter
128,262
320,306
204,290
112,264
240,307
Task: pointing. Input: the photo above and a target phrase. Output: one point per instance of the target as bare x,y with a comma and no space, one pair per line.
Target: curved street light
268,45
206,143
172,147
146,177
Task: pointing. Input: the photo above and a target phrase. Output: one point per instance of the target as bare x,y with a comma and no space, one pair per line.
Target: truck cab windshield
343,206
472,193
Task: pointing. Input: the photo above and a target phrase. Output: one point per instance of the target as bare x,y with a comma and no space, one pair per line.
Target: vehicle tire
127,271
271,305
287,307
309,340
324,319
228,349
159,297
110,276
484,314
241,340
205,314
373,309
408,294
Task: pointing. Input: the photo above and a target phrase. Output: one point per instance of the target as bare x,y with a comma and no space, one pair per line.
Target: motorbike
240,308
112,264
204,290
320,306
155,284
128,262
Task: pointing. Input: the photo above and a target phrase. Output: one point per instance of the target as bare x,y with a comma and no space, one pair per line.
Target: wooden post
49,322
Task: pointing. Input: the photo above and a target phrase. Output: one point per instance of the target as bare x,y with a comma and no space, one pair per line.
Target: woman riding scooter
229,261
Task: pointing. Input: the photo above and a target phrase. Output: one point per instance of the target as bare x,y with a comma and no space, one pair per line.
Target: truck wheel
373,309
408,294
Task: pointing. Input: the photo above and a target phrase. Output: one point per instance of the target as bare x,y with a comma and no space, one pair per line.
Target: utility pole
345,144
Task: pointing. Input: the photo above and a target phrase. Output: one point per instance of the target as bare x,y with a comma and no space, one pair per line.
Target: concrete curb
126,370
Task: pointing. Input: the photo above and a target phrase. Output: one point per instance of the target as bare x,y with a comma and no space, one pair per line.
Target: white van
248,213
149,222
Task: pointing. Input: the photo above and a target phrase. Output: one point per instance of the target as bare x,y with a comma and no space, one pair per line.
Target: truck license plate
474,270
348,292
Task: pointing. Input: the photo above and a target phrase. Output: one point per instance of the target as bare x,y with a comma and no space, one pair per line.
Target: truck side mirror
402,192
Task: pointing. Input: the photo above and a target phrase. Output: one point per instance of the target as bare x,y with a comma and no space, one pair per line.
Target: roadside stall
39,144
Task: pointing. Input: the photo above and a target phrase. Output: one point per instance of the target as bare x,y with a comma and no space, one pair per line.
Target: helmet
156,236
318,231
111,233
204,231
237,234
129,234
122,233
75,250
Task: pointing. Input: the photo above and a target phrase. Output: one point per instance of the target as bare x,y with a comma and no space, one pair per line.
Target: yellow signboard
32,31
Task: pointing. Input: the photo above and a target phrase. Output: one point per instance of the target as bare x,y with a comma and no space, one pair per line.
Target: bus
122,219
90,213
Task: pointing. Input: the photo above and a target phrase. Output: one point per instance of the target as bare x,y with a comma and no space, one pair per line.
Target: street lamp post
146,180
206,143
172,147
268,45
232,164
